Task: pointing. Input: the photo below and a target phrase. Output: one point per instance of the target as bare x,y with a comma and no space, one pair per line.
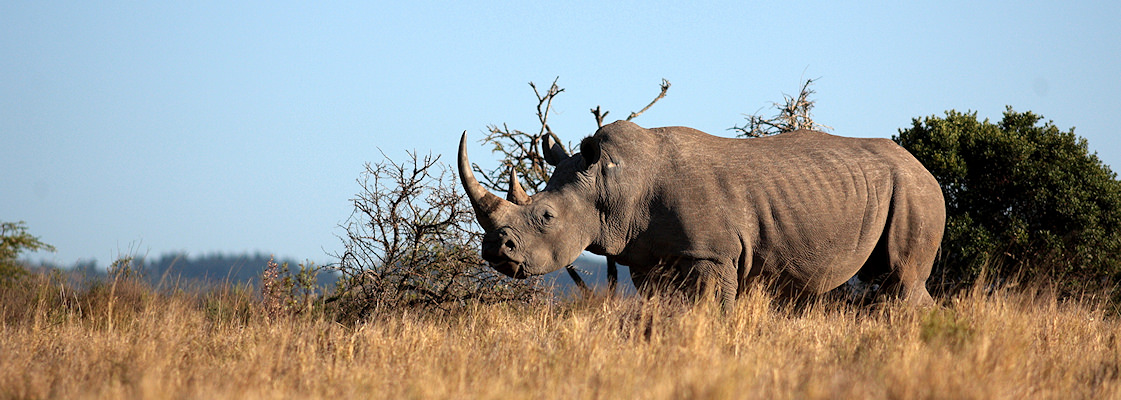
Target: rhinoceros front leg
641,279
719,278
693,276
662,277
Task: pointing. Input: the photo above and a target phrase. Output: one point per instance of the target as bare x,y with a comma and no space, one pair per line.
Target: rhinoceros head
533,235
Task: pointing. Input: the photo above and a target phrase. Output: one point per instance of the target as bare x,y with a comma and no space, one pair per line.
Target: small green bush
14,240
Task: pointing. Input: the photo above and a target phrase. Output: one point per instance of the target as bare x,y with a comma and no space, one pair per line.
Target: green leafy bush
1024,199
14,240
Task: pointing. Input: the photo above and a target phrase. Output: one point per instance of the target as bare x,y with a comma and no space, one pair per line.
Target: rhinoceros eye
544,220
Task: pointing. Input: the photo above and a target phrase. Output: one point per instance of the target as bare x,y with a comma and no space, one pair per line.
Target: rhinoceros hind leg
902,260
912,237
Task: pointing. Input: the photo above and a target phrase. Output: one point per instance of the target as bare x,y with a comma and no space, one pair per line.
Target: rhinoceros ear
553,151
590,150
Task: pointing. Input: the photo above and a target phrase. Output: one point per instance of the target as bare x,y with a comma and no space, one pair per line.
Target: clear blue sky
203,126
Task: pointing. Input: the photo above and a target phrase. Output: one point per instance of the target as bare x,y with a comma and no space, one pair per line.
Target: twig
547,101
599,116
665,87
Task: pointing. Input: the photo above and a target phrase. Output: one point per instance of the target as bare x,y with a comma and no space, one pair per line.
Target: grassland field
123,339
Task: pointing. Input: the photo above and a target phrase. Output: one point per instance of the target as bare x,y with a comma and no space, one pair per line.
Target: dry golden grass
125,341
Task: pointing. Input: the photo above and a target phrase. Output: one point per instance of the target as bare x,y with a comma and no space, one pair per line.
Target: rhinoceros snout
498,252
504,264
495,255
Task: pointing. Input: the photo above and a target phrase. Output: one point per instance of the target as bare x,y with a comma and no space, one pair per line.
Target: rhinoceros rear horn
517,194
488,207
554,151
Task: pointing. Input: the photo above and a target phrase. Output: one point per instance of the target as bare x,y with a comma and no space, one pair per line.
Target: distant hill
214,268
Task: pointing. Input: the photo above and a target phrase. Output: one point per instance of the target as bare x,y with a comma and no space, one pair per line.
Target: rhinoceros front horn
488,207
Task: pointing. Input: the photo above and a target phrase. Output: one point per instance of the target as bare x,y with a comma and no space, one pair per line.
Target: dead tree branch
545,103
665,88
599,116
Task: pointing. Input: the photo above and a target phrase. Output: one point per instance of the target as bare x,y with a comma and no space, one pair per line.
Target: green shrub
14,240
1024,199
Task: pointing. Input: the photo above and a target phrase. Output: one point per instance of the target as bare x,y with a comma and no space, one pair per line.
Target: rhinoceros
807,209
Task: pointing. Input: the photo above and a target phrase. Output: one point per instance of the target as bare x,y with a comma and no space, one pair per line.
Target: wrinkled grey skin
682,207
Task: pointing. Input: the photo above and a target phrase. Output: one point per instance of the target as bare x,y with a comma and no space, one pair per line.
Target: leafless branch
522,150
665,88
545,103
599,116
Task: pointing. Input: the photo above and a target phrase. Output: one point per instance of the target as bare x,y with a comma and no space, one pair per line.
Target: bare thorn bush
793,114
522,150
410,243
272,291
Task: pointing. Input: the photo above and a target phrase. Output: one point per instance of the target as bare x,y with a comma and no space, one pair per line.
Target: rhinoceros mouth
512,269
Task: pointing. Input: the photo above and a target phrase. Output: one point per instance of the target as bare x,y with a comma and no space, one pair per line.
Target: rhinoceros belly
819,226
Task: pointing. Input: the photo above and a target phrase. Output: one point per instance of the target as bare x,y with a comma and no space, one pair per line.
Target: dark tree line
171,269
